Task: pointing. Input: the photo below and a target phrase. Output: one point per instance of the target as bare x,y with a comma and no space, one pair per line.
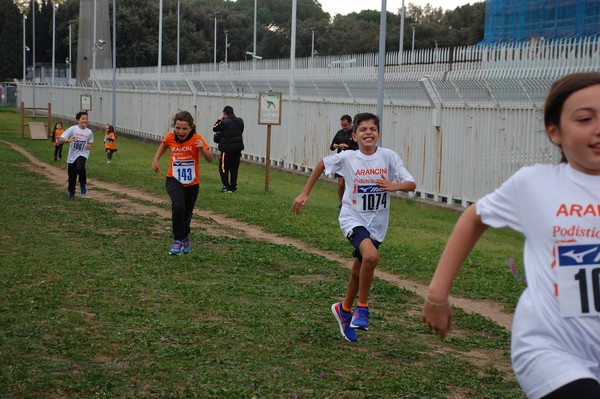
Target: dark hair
228,110
347,118
110,127
185,116
80,114
364,116
561,90
57,123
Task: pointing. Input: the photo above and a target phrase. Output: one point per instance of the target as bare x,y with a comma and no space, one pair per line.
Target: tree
138,25
11,41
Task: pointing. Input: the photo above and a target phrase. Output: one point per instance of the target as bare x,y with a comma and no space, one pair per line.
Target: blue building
524,20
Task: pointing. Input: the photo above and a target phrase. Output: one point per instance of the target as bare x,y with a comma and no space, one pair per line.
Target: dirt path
113,193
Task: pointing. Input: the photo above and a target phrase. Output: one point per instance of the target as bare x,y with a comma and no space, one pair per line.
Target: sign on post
269,108
269,113
85,102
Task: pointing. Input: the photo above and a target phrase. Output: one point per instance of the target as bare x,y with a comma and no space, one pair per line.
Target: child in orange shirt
110,142
58,145
183,176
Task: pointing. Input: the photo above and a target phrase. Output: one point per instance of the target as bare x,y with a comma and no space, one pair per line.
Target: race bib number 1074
578,277
372,198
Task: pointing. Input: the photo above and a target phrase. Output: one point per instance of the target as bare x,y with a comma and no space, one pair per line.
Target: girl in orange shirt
110,142
183,176
58,145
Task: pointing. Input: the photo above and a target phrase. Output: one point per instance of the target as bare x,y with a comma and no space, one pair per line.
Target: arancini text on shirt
578,210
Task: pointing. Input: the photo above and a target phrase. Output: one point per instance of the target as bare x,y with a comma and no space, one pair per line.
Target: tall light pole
312,47
412,50
401,47
95,43
215,44
381,67
226,45
70,56
160,29
33,6
53,40
178,9
254,39
114,64
25,48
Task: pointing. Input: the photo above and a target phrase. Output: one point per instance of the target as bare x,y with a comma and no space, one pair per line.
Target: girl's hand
299,202
155,166
438,317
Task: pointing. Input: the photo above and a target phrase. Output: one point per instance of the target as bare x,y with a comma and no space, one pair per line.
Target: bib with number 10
578,278
184,171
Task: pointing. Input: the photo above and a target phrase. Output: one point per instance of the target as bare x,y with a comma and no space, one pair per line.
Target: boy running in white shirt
370,175
80,140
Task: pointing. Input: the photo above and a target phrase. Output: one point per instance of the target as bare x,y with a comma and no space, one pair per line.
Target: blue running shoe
187,246
71,196
176,248
83,189
360,320
343,319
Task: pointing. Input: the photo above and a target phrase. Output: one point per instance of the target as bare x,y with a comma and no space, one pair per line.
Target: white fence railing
486,121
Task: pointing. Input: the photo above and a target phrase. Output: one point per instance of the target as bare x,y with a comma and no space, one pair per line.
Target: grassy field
93,307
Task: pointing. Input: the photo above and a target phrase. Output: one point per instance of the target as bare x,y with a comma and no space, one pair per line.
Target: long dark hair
185,116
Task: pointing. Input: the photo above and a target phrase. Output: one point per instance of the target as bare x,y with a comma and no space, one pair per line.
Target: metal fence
463,119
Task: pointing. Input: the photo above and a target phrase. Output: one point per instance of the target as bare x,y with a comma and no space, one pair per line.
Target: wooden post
49,119
268,159
22,120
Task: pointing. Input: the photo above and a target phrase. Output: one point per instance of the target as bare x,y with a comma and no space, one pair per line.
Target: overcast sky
344,7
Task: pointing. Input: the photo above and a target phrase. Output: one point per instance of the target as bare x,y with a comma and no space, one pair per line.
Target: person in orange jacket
110,142
58,145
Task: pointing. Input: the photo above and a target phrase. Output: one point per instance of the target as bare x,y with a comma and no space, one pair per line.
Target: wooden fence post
49,119
22,120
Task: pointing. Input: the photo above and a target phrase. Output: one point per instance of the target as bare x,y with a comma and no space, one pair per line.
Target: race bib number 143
579,280
184,171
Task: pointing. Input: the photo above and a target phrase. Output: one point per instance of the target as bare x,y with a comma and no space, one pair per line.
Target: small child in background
55,136
80,138
110,142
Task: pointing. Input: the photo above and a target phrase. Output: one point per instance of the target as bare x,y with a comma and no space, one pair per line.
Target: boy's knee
370,254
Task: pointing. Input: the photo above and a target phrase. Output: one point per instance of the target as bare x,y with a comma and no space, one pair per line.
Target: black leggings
586,388
74,170
58,151
183,200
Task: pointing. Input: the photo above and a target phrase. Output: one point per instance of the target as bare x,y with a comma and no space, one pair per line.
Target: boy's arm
302,199
388,185
436,309
63,138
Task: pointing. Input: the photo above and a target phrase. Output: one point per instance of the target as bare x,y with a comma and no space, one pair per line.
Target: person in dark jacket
342,141
228,135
